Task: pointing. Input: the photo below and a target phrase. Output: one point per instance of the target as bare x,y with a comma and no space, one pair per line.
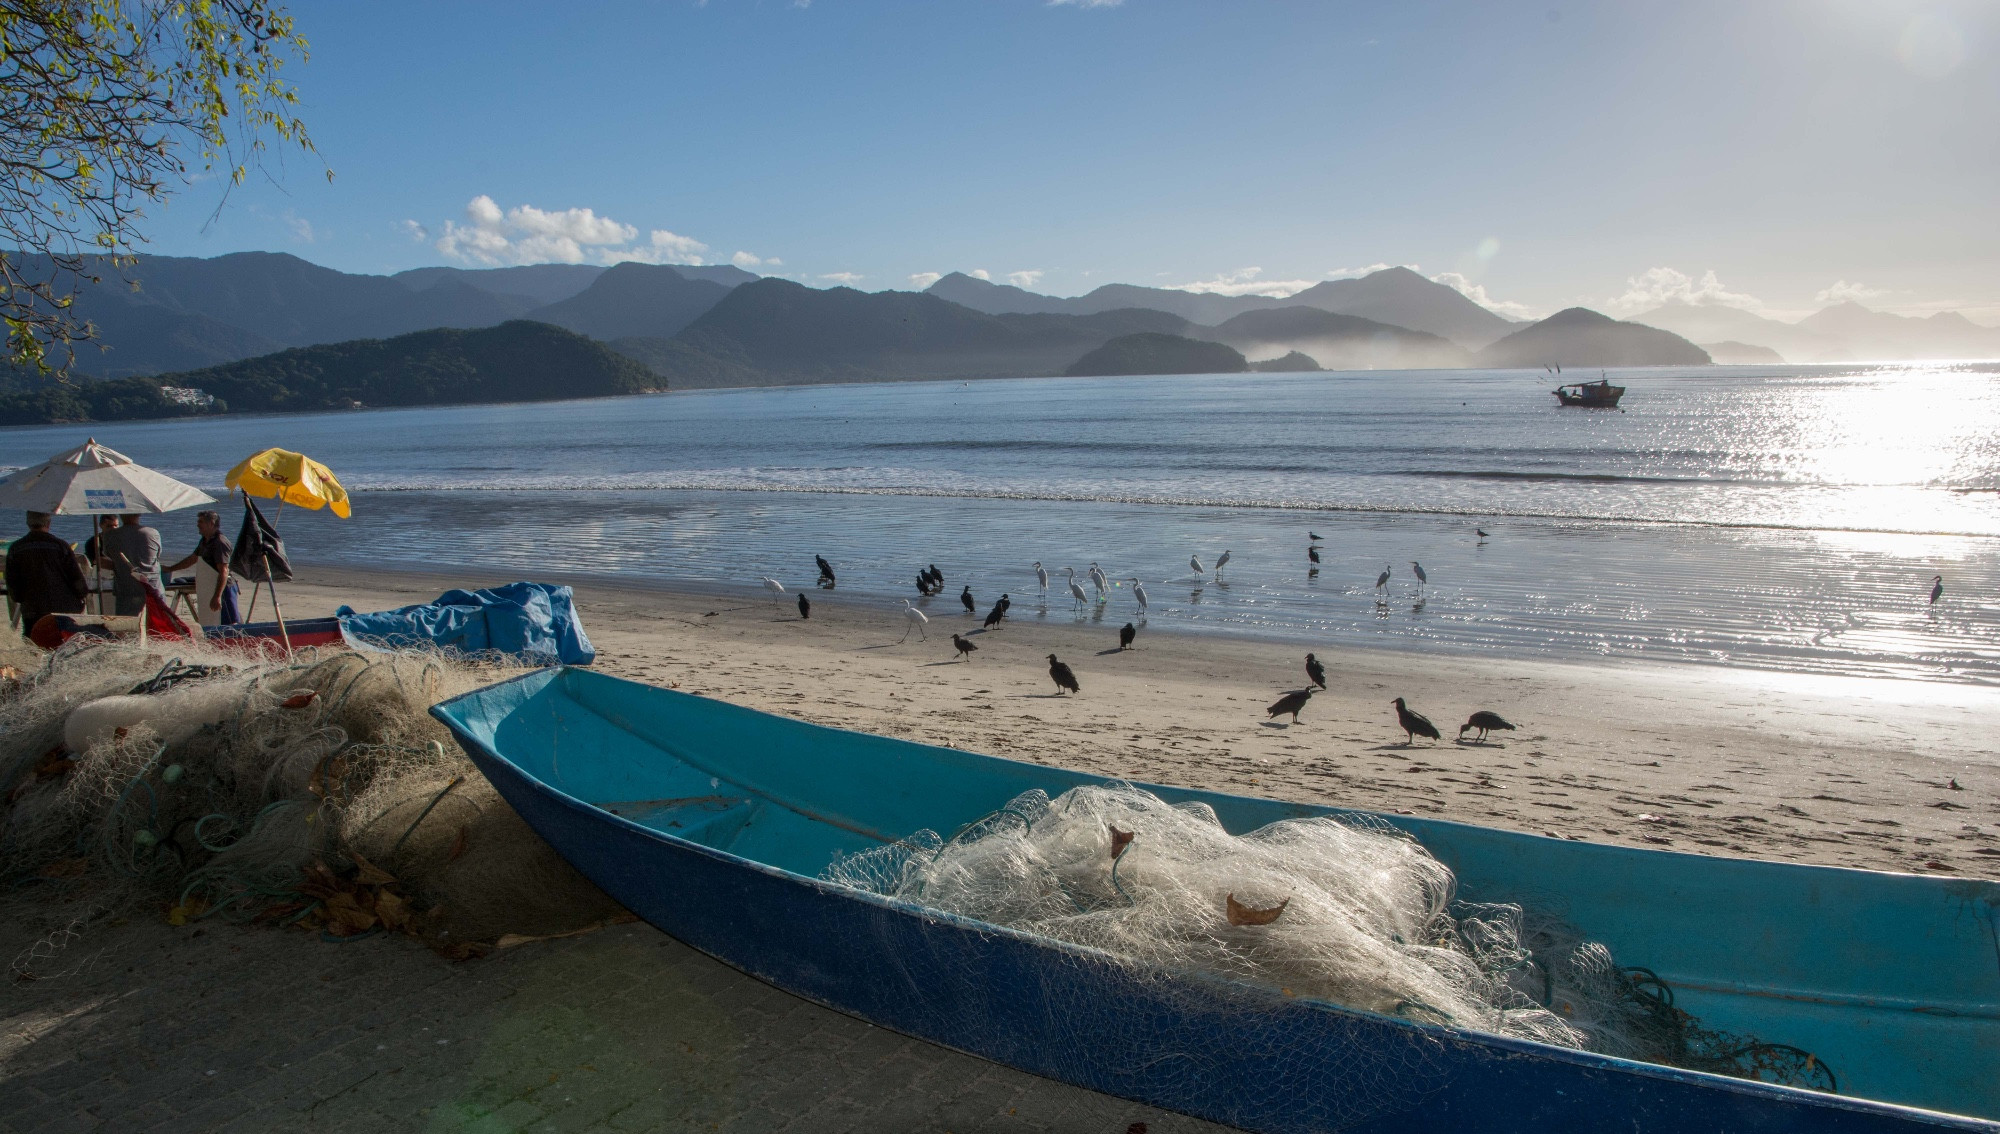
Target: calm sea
1789,519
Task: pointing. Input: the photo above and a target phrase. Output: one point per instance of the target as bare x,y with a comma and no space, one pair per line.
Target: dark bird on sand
1291,703
805,608
1004,605
1312,553
1126,633
1414,723
1063,676
1484,722
965,596
965,648
1315,671
994,616
1937,588
825,570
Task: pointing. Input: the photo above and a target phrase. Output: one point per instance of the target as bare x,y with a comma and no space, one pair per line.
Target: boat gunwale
1223,985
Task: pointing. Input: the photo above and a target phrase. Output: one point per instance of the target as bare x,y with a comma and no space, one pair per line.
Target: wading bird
965,596
1937,588
1292,703
1041,577
937,578
1063,676
1382,580
774,588
1194,561
1483,721
964,647
1414,723
825,571
1126,633
1098,580
1312,553
1315,537
1418,569
923,582
1315,671
1481,532
1139,592
805,608
1075,591
912,617
1221,563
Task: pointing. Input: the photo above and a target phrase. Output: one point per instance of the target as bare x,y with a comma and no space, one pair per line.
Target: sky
1775,155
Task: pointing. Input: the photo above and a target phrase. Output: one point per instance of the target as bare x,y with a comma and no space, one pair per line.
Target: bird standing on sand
805,608
912,617
994,616
1139,592
825,571
1315,671
1098,580
774,587
1292,703
1075,591
1382,580
1126,633
1063,676
1041,576
965,596
1221,563
1004,605
1414,723
1418,568
1937,588
1194,561
1483,721
964,647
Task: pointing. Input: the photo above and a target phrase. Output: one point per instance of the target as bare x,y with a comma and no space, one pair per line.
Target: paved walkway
148,1027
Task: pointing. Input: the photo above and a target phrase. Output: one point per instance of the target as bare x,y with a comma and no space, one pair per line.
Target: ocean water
1784,518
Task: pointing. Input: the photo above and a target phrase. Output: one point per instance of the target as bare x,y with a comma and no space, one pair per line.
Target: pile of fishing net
314,789
1350,911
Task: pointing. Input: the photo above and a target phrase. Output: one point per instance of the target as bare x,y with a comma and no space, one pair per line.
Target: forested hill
518,361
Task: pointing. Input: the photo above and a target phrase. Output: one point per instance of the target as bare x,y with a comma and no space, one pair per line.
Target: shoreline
1845,771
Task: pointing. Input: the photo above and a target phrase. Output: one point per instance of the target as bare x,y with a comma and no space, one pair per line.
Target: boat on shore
714,823
1600,394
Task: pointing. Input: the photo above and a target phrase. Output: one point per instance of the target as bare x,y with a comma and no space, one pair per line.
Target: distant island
1152,353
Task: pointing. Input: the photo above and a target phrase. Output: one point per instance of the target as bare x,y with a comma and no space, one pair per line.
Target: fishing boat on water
1600,394
719,825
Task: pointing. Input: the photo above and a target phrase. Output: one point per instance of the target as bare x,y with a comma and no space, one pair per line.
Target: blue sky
1774,154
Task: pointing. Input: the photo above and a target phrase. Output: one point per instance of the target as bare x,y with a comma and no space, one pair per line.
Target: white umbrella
93,480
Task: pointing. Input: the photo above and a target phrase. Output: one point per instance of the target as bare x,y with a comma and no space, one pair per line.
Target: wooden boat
1600,394
712,821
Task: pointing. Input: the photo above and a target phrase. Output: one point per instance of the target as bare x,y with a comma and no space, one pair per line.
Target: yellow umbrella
292,478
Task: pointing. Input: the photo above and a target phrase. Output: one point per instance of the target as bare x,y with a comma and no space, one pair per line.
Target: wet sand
1877,773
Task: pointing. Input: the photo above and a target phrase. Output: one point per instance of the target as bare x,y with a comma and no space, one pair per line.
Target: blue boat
712,822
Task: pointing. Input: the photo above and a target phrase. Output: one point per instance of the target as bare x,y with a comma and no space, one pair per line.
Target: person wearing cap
42,575
214,590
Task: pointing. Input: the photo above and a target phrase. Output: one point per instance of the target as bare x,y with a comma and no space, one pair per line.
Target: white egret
1419,569
1041,576
1098,580
1382,580
1139,592
776,589
912,617
1221,563
1075,591
1194,561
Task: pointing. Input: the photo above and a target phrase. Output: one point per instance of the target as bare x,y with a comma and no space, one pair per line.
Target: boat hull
1244,1056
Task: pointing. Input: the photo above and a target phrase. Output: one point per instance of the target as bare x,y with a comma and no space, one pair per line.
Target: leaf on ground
1240,914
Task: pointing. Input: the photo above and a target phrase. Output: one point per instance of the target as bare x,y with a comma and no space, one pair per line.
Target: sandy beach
1872,773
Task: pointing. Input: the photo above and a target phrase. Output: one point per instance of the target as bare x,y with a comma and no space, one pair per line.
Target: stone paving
218,1028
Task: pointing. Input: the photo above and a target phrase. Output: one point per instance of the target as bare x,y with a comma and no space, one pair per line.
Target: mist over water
1787,518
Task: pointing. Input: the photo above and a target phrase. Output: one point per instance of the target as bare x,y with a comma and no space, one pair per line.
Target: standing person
42,575
214,590
131,552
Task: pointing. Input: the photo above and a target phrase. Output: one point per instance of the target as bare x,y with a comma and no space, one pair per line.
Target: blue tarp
531,621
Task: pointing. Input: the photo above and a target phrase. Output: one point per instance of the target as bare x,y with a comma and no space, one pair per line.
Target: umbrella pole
272,583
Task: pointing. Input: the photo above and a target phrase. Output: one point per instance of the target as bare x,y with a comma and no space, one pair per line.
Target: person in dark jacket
42,575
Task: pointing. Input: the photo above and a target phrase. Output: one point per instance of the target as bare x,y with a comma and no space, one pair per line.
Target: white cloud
1844,292
747,260
844,279
922,280
1477,294
1025,279
1244,281
416,231
980,274
1655,286
301,227
528,235
1352,273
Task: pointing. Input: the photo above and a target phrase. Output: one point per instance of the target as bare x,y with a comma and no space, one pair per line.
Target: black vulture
965,596
923,583
1126,633
1414,723
1291,703
825,570
1063,676
1315,671
937,579
1004,605
805,608
994,616
965,648
1483,721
